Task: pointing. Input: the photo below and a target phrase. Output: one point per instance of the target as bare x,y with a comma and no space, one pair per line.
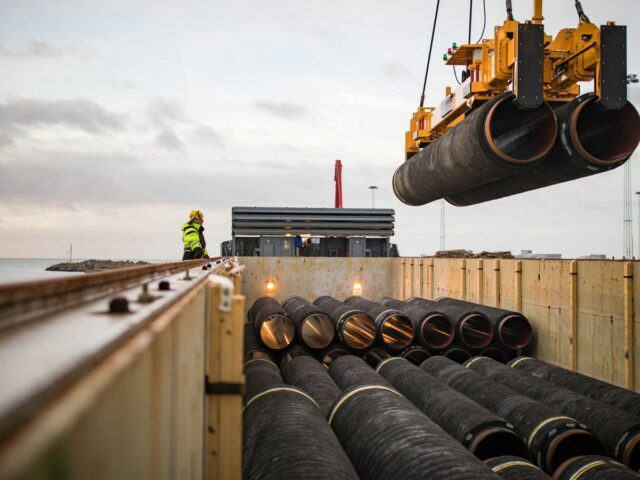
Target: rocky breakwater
89,266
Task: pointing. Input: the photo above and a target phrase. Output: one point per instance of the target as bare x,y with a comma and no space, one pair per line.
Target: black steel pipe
350,371
273,327
416,354
330,353
281,421
309,375
618,431
457,354
292,351
494,141
511,329
590,140
594,467
485,434
252,347
514,468
618,397
355,328
434,329
473,328
386,437
395,329
375,355
314,327
552,438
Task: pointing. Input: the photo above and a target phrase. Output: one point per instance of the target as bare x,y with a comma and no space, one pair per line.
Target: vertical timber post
518,270
225,381
496,283
628,326
237,283
463,280
421,276
411,276
480,282
573,315
403,280
430,278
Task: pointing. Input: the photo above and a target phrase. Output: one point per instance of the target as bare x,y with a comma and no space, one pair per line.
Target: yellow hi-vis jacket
193,237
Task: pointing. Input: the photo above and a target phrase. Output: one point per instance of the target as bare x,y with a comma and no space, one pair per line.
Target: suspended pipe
350,371
493,141
594,467
386,437
511,329
273,327
395,329
618,397
590,140
495,354
252,347
473,328
354,327
375,355
314,327
551,437
457,354
415,354
329,354
281,421
292,351
309,375
618,431
510,467
482,432
433,328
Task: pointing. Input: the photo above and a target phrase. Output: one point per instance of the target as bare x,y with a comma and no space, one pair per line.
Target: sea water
27,269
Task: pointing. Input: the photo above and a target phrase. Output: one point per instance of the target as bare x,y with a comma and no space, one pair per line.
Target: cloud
83,114
163,113
32,49
204,135
169,141
284,110
396,69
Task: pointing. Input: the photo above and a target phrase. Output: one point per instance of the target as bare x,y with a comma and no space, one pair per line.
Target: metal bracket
226,293
223,388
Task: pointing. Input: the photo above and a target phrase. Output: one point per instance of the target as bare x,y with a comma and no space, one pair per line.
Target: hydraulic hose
515,468
350,371
273,327
618,397
355,328
395,329
281,421
375,355
386,437
415,354
330,353
511,329
494,141
434,329
288,354
457,354
594,467
314,327
473,328
309,375
618,431
590,140
552,438
485,434
252,347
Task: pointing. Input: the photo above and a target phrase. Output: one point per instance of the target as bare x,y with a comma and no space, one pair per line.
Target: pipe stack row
499,150
414,329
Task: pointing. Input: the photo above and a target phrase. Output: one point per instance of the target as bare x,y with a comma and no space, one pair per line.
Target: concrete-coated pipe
314,327
286,355
273,327
493,141
457,354
252,347
375,355
590,140
514,468
416,354
349,371
594,467
355,328
330,353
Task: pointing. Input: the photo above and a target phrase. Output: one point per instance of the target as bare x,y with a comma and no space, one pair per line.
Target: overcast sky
118,117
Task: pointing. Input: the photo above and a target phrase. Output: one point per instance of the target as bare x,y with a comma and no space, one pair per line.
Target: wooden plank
480,280
421,277
573,315
430,278
463,279
629,373
496,283
518,285
411,276
403,283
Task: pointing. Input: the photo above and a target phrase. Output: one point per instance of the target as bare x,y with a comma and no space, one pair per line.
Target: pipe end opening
569,444
515,332
496,442
397,331
277,331
437,331
317,331
476,330
359,331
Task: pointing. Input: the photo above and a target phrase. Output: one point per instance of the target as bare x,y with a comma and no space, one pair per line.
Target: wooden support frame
421,277
431,281
573,315
496,283
463,279
411,276
480,284
628,327
518,279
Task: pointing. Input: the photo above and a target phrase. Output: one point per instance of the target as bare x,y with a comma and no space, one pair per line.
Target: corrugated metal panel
326,233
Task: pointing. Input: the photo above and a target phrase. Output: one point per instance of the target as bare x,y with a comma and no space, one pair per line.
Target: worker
195,245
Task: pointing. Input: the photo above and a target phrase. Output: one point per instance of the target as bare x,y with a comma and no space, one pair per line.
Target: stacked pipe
387,437
617,430
313,326
594,467
272,325
485,434
354,327
252,347
552,438
285,433
590,140
494,141
510,467
618,397
395,329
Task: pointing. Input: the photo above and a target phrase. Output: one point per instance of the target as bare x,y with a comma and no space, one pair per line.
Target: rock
88,266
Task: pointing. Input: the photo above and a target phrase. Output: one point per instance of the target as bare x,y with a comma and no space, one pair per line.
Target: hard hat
196,214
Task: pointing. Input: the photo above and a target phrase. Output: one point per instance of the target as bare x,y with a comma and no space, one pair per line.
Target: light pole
373,189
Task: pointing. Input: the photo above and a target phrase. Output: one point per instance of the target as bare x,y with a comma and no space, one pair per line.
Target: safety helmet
193,214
